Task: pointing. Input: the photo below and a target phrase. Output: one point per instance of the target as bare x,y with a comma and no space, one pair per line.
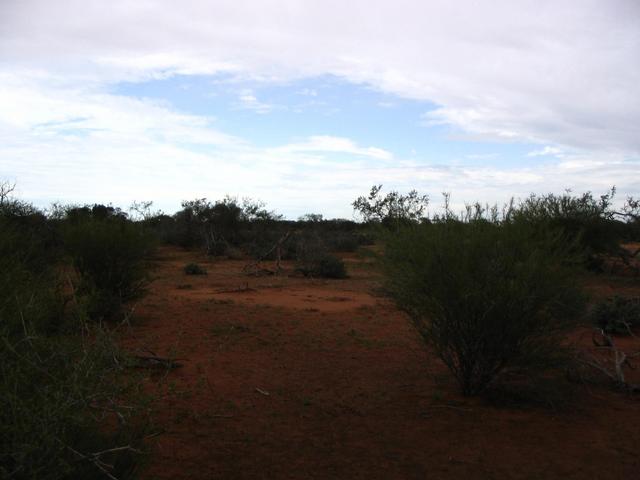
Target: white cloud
42,111
308,92
327,143
97,147
249,101
565,74
547,151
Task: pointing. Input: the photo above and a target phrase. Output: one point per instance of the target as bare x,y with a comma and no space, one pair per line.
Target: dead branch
6,188
96,458
254,267
614,368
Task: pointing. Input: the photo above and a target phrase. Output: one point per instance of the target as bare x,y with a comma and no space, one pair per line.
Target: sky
306,104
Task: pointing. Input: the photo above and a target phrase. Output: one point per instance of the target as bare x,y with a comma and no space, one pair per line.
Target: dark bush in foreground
194,269
110,256
60,392
485,296
617,314
58,398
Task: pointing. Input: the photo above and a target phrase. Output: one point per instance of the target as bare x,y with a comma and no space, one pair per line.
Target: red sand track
292,378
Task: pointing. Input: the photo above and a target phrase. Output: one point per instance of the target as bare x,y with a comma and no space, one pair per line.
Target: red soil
293,378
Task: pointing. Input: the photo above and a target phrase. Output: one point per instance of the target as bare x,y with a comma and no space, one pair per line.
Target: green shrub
617,314
313,259
110,256
588,225
328,266
58,398
59,391
194,269
487,297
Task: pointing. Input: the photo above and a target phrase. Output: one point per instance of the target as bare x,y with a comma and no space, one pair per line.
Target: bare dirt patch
292,378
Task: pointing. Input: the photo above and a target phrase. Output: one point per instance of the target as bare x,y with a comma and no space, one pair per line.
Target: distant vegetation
230,228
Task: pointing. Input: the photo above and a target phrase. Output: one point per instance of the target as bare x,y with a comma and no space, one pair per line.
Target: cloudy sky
305,104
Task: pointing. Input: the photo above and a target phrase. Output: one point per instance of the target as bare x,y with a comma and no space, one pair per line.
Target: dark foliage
588,225
618,315
59,389
110,255
314,260
489,298
194,269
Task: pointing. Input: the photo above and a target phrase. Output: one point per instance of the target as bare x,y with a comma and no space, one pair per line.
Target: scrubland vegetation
493,291
67,408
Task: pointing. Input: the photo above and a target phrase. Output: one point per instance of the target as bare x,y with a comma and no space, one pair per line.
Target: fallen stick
145,361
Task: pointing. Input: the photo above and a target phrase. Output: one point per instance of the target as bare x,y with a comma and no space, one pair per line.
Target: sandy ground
294,378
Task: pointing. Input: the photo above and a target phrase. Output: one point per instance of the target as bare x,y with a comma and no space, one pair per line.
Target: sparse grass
225,329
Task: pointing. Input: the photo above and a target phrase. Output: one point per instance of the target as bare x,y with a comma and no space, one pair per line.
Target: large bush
111,258
487,297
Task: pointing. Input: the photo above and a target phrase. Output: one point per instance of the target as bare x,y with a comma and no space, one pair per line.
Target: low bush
313,259
326,266
194,269
487,297
617,315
